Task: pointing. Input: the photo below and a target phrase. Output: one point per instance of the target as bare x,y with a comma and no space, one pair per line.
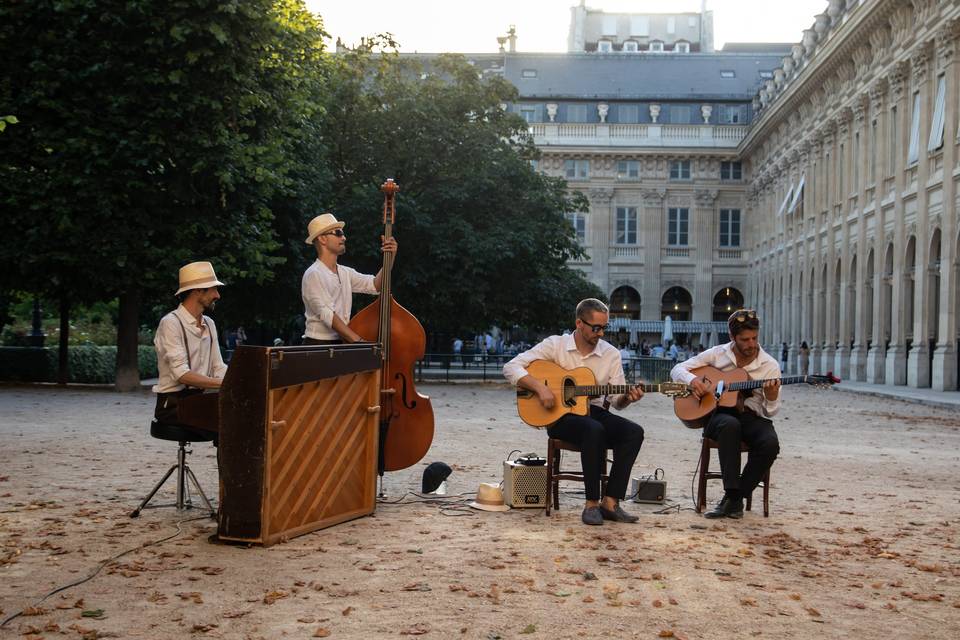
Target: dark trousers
594,434
729,428
321,342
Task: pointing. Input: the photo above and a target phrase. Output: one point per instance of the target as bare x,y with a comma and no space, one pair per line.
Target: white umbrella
713,339
703,338
667,330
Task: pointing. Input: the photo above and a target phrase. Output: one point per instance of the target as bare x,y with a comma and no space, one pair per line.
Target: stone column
651,226
703,220
945,356
895,358
601,219
918,360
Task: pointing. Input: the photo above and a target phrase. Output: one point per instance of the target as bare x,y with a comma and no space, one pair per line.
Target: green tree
151,134
483,237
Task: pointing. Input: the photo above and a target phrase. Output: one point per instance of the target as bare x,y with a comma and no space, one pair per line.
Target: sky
472,26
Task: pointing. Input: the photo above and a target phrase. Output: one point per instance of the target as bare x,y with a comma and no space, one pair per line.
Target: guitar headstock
675,389
823,381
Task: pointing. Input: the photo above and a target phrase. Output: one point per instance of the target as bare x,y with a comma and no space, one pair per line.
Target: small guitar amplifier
649,489
524,485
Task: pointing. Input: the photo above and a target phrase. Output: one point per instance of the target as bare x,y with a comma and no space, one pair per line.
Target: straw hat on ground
320,225
197,275
489,498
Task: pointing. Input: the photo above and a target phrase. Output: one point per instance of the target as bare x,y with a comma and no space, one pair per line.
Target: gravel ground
862,538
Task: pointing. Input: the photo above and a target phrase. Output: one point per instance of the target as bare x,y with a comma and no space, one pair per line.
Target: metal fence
448,367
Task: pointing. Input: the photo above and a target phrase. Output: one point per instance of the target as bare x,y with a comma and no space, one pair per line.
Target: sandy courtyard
862,540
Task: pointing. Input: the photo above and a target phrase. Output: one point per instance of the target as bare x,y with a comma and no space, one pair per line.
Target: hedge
90,364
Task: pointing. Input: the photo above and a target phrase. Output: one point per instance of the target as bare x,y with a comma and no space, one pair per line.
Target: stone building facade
852,194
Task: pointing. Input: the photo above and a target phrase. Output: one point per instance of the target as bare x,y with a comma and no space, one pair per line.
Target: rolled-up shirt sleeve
361,282
316,300
219,367
681,372
171,346
771,407
517,368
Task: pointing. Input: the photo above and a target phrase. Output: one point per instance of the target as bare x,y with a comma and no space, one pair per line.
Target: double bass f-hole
409,404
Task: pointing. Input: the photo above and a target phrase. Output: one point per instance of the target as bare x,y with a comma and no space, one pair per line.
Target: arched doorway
725,302
867,338
676,303
932,311
851,313
909,286
835,305
625,303
886,290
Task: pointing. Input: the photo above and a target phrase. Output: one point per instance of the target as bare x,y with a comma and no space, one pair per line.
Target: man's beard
209,306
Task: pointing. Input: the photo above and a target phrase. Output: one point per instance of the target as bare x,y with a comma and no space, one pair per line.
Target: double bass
406,416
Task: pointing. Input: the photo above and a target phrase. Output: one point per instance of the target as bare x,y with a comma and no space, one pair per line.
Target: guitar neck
613,389
756,384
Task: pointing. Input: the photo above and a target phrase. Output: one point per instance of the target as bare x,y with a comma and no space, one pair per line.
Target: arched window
625,303
725,302
676,303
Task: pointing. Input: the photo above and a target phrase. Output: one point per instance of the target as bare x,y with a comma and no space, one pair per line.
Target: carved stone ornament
601,195
705,112
552,111
653,197
946,43
602,110
912,229
654,112
705,197
898,79
920,62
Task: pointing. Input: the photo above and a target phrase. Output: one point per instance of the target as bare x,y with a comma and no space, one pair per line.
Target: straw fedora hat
489,498
322,224
197,275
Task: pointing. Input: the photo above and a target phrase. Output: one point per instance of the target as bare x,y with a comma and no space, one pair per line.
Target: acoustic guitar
695,412
573,389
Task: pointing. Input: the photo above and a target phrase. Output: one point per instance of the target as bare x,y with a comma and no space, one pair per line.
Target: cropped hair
590,304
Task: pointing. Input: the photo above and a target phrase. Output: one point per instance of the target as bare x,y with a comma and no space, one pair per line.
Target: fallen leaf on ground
322,632
530,628
416,630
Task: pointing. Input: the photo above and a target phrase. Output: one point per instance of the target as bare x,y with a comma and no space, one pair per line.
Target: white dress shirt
172,354
326,293
722,357
604,361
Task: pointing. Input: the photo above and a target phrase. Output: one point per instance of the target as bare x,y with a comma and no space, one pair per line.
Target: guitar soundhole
569,387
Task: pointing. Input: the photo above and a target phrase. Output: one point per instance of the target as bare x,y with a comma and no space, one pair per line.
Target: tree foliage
151,134
483,235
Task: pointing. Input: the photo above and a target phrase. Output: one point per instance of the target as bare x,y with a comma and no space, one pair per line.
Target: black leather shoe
726,508
617,515
591,515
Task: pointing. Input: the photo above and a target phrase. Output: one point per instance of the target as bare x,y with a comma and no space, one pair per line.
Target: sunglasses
744,315
596,328
336,232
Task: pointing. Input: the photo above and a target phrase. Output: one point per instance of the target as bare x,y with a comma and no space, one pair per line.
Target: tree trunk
63,361
128,330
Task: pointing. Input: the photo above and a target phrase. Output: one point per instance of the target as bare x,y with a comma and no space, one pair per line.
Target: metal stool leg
136,512
185,476
203,496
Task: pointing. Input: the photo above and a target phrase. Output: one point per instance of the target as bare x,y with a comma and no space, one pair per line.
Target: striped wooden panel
322,454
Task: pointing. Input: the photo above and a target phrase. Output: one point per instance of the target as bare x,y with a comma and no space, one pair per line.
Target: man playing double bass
327,287
749,422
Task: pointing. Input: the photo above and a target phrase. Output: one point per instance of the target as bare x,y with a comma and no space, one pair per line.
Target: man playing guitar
600,430
750,421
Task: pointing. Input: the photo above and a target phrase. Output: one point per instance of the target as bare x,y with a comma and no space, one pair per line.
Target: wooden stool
705,474
555,475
